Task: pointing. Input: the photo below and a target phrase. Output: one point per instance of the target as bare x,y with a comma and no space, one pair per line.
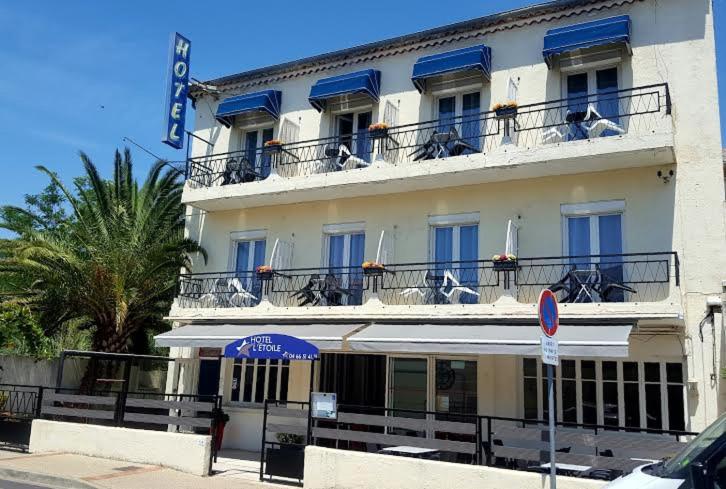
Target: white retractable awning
324,336
491,339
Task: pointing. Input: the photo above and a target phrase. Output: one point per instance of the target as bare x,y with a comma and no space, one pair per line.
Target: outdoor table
567,468
414,452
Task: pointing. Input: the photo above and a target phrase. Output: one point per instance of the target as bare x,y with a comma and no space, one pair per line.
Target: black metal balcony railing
634,111
631,277
219,290
332,286
461,282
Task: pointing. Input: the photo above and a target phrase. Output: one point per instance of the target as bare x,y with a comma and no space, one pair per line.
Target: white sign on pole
550,350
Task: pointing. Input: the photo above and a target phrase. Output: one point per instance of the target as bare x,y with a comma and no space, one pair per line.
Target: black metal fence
629,277
635,111
589,451
18,407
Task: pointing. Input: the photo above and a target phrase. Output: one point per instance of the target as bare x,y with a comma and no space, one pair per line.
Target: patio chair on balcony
581,124
343,159
443,144
238,170
217,297
310,293
598,125
589,285
332,291
239,296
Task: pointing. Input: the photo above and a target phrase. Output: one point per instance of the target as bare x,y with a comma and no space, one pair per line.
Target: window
253,381
455,251
631,394
253,142
594,241
344,257
594,89
456,387
249,255
465,106
352,131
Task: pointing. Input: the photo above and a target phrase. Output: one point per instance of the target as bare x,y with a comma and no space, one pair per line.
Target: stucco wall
326,468
180,451
533,204
672,41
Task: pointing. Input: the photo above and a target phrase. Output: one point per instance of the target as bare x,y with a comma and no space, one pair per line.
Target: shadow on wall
29,371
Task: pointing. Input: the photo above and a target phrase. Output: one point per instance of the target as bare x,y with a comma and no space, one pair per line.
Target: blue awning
603,32
267,101
474,58
366,82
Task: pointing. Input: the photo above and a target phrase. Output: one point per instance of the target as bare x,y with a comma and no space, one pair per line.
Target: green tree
111,266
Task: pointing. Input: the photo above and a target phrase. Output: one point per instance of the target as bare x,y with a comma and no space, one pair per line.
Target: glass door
408,390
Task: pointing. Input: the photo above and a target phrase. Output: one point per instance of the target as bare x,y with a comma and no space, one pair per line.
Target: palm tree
113,266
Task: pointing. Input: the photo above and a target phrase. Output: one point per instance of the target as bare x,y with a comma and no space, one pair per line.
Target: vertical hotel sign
176,91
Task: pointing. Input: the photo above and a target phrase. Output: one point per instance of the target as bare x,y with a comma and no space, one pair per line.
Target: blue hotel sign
272,347
177,90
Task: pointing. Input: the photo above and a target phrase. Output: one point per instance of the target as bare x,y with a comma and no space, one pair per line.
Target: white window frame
665,420
256,128
239,236
455,221
591,72
255,364
355,114
346,230
458,94
591,210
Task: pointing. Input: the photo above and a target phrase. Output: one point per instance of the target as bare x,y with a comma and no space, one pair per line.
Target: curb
45,479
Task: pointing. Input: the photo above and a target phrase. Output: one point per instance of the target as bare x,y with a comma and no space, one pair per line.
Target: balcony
618,129
625,286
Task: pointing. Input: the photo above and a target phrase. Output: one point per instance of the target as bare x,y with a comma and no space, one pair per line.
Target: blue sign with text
177,90
272,347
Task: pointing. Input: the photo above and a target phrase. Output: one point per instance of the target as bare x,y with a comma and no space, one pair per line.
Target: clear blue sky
82,75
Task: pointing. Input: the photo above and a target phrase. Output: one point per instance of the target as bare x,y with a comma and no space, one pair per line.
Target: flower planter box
273,149
378,133
505,265
265,275
373,271
506,112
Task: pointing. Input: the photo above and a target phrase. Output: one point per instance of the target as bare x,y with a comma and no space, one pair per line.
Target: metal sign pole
549,320
551,394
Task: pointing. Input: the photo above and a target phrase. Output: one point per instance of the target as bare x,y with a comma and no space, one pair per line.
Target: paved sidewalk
238,470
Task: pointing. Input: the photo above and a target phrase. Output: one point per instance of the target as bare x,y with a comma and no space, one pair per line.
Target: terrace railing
634,111
629,277
584,450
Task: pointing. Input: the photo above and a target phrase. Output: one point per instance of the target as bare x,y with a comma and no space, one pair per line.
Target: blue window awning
267,102
474,58
366,82
603,32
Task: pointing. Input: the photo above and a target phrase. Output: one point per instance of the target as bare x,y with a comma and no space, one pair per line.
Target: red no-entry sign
549,317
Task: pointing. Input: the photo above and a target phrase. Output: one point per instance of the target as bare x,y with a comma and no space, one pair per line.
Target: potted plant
273,146
373,268
504,262
378,130
505,110
264,272
220,421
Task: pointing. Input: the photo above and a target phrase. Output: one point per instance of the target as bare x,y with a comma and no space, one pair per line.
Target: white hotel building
607,180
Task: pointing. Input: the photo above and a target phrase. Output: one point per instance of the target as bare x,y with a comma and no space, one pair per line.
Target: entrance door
208,379
358,380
